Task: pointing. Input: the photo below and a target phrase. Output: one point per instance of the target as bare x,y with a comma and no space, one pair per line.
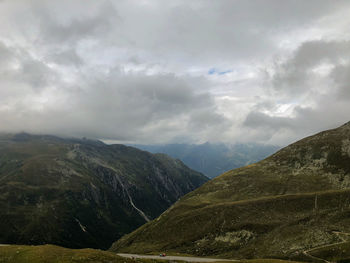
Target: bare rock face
83,193
293,201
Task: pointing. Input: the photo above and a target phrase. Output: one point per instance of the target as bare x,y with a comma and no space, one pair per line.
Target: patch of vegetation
55,254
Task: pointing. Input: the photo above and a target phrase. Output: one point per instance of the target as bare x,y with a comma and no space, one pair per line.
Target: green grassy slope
55,254
77,193
278,207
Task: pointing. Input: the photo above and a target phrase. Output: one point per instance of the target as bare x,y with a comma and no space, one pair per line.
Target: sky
179,71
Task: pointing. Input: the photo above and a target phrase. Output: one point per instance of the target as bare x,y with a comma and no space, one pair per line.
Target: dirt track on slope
180,258
344,240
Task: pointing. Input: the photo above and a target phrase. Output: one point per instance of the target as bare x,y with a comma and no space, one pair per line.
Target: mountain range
289,205
83,193
213,159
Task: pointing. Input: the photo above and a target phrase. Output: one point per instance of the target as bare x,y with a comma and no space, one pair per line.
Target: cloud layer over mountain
152,71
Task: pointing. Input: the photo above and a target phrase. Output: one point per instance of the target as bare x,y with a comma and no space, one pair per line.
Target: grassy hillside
55,254
279,207
82,193
334,253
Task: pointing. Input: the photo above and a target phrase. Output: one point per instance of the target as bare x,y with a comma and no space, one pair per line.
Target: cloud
118,106
341,76
177,71
315,78
299,74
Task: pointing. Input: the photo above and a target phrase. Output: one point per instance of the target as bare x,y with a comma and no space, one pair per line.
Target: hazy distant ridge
213,159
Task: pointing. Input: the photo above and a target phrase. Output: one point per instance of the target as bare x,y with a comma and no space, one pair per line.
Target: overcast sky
148,71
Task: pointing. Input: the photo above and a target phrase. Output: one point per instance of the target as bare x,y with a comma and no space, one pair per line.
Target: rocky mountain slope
213,159
281,207
83,193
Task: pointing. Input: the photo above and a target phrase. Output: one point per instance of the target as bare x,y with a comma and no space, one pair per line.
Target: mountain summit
83,193
294,200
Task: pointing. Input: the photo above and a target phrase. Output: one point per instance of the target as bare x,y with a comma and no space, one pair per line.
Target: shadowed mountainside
83,193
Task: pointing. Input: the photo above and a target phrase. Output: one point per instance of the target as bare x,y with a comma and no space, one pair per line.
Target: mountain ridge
82,193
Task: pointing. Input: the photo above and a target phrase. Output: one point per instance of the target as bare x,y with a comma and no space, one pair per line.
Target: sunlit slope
278,207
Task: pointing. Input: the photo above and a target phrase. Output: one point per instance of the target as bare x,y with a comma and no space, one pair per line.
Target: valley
213,159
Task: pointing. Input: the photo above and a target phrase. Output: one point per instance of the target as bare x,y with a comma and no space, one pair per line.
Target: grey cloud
35,73
294,76
341,77
261,120
19,67
306,121
137,71
296,80
5,53
123,107
77,25
197,32
66,57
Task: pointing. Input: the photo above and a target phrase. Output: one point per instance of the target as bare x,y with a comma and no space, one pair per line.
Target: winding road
180,258
339,234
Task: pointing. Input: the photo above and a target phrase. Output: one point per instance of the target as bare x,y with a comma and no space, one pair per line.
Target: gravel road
188,259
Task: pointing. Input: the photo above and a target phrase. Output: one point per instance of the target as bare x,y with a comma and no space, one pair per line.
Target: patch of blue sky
224,72
213,71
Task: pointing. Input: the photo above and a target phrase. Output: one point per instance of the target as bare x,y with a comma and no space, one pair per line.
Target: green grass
55,254
276,208
281,223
